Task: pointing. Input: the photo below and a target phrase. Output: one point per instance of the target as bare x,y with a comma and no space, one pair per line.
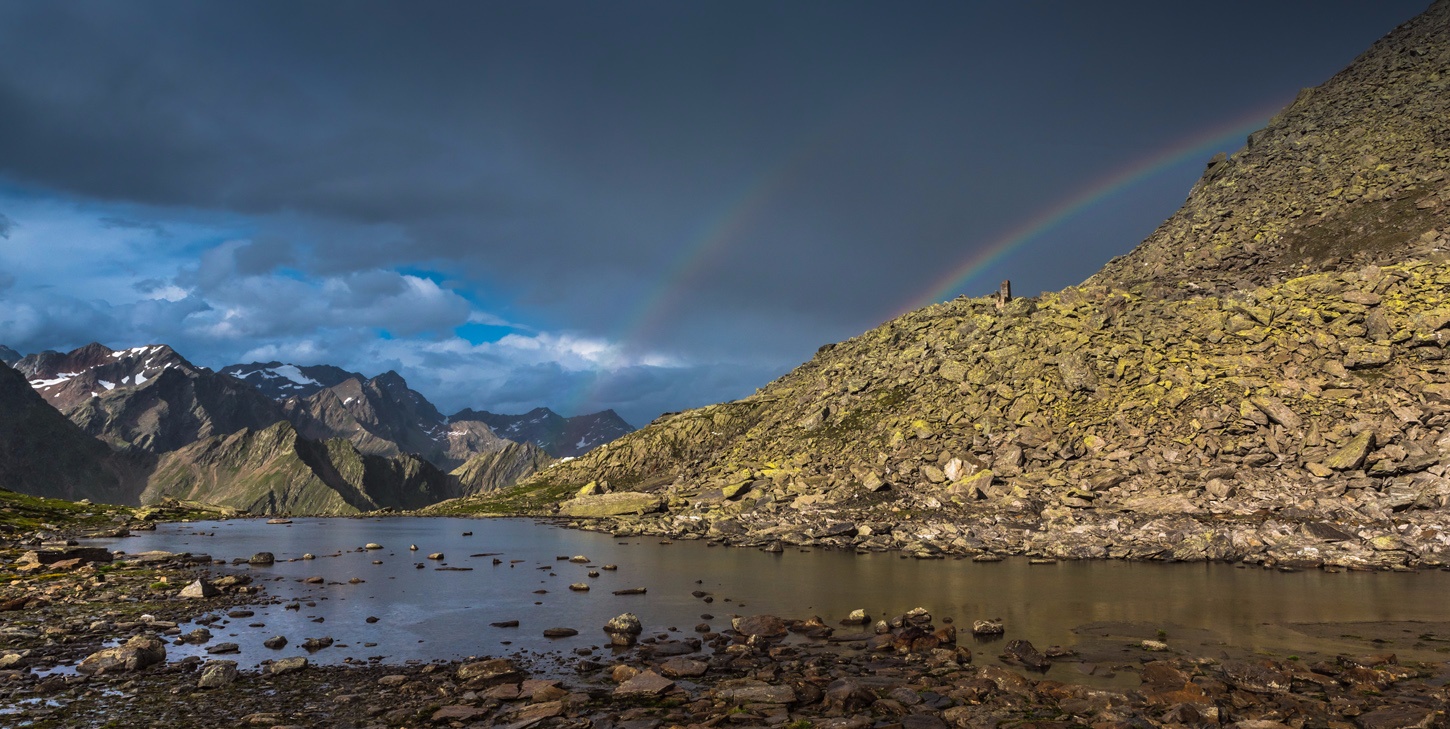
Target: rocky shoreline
1287,540
61,602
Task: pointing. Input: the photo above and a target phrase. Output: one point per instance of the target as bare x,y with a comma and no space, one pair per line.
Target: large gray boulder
616,504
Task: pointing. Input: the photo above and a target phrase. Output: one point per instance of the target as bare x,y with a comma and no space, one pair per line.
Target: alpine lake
502,570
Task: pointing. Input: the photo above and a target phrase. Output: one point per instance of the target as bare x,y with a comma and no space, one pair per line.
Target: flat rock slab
52,556
922,721
486,674
616,504
1398,717
645,684
766,626
534,713
458,712
750,691
680,667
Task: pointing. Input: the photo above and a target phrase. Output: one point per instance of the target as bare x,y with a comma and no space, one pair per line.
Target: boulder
975,486
133,655
681,667
82,555
988,627
283,666
615,504
199,589
483,674
1258,677
624,623
1404,716
646,684
215,674
1352,454
765,626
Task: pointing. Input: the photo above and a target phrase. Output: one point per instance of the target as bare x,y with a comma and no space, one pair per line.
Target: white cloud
204,287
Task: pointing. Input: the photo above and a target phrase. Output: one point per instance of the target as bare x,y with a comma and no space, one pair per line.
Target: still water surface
431,614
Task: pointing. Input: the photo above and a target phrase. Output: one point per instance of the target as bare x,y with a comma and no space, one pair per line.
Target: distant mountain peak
147,396
282,380
392,380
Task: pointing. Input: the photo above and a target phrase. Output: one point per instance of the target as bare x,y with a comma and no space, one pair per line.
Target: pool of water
1101,608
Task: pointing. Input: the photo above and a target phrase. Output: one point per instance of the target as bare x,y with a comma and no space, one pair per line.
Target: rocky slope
44,454
1227,391
148,397
1352,169
275,471
501,468
561,437
281,381
9,356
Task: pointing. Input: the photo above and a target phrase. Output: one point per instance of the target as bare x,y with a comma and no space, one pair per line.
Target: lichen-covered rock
615,504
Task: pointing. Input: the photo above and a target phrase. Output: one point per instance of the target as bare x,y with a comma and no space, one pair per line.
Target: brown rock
644,685
483,674
767,626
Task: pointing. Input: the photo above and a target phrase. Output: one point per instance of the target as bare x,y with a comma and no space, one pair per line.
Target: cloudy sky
640,205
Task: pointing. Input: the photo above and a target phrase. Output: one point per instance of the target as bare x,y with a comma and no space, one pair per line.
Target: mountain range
1265,378
146,424
559,436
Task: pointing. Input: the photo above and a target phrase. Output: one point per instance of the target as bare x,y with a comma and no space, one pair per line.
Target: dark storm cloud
5,225
567,156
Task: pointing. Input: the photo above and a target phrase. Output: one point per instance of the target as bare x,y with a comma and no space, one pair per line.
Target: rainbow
733,217
1096,192
744,207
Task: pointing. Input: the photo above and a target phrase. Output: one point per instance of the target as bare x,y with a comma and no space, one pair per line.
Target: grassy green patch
22,512
531,498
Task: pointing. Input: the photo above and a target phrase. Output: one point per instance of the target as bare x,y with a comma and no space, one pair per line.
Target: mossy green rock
1353,453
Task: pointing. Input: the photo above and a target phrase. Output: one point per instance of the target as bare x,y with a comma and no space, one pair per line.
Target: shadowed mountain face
383,416
501,468
9,356
148,397
274,471
559,436
1278,347
44,454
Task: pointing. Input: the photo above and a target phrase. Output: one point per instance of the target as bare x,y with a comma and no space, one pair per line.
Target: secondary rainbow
1094,193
